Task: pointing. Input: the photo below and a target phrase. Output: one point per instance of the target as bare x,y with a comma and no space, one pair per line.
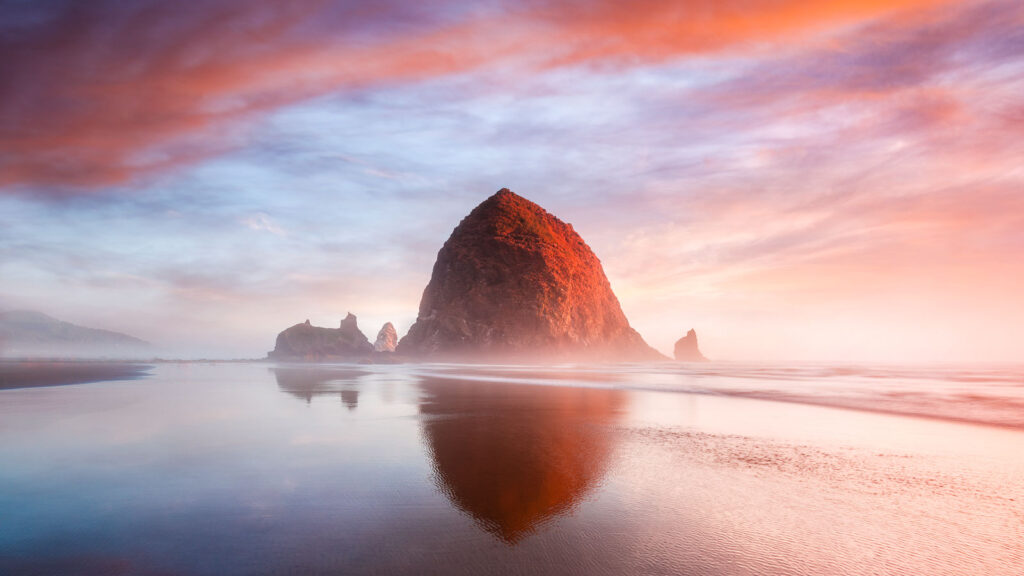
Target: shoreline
43,374
23,374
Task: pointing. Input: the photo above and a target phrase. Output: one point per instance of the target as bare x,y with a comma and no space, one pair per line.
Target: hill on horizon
33,333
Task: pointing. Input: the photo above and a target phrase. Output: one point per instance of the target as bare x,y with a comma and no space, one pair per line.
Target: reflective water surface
444,469
513,456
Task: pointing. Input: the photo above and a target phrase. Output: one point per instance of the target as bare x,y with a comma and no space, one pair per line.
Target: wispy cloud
779,174
101,93
263,223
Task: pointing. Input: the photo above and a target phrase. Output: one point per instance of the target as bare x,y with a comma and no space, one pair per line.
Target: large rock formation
387,339
307,342
686,348
515,282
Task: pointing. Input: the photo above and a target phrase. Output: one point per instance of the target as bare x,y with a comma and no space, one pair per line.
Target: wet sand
250,469
30,374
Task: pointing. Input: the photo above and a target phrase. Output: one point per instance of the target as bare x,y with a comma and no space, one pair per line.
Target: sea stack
307,342
387,339
514,282
686,349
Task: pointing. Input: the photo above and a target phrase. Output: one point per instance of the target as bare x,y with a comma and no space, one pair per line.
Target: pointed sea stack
514,282
686,349
387,339
307,342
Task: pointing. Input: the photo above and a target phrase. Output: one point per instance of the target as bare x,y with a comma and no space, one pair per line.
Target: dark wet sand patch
24,374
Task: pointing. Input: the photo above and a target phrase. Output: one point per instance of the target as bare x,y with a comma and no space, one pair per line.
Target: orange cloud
656,29
101,93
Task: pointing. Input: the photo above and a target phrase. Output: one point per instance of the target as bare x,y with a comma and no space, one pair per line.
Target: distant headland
31,334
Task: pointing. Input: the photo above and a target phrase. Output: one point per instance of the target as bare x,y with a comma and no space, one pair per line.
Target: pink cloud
102,93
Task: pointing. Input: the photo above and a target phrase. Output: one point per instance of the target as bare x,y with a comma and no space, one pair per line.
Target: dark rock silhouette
350,398
514,457
514,282
307,342
686,348
30,333
387,339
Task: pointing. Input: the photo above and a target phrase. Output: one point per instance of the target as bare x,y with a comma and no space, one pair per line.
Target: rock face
686,348
387,339
307,342
514,282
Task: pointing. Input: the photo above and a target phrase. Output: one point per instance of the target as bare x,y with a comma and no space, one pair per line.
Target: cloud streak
844,172
102,93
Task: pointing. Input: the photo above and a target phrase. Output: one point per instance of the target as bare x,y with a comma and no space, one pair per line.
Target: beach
262,468
31,374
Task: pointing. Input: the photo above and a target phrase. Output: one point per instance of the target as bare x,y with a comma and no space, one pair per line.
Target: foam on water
981,394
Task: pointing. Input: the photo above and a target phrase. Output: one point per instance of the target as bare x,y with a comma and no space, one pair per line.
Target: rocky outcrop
387,339
307,342
514,282
686,348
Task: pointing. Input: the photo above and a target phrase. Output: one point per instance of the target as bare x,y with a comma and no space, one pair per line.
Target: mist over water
985,394
453,469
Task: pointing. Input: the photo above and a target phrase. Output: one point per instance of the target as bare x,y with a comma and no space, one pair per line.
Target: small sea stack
387,339
686,349
307,342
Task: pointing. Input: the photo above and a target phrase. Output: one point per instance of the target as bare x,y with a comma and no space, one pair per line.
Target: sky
796,180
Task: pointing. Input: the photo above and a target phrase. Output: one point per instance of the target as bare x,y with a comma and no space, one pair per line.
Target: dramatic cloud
809,180
98,93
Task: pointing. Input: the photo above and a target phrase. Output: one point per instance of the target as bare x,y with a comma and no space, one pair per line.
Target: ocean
716,468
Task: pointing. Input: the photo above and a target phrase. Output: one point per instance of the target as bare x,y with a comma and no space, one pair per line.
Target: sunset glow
797,180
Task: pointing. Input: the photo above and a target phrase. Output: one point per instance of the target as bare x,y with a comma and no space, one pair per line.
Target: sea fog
258,468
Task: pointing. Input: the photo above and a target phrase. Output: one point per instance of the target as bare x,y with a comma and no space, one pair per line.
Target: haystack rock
686,348
514,282
307,342
387,339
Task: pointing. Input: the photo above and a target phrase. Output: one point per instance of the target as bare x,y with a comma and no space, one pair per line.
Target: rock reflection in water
350,398
514,457
307,382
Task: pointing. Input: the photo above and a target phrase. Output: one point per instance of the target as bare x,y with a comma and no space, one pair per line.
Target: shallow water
444,469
